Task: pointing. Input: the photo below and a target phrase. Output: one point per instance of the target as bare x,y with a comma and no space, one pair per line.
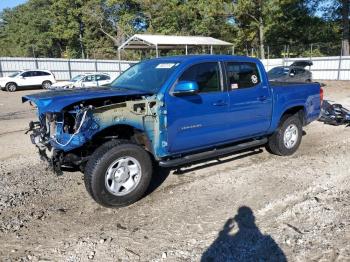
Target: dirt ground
240,208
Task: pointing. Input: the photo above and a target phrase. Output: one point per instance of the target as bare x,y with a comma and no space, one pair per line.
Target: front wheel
287,138
118,173
11,87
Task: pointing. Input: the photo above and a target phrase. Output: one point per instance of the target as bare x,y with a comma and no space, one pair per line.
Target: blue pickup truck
172,111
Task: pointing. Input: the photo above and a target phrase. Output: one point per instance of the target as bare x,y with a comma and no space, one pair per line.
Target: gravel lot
243,207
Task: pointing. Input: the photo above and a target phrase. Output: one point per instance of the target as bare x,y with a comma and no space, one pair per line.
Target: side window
37,73
42,73
28,74
242,75
102,77
207,76
89,78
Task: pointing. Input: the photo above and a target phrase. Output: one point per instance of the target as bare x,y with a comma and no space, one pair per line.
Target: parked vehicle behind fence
27,78
84,81
174,111
296,72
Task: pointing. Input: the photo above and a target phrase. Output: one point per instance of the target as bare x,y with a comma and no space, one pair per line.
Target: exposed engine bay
68,138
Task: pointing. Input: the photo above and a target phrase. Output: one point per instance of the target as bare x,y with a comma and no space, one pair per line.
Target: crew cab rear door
198,120
250,99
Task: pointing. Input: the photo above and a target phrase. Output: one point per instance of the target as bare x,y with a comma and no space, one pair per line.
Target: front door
198,120
29,78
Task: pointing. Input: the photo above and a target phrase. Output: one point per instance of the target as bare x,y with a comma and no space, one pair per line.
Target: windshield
76,78
15,74
146,76
277,72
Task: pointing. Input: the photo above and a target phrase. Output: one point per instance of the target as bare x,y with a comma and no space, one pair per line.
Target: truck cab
173,111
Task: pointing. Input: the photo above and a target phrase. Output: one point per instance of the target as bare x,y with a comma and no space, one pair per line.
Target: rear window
42,73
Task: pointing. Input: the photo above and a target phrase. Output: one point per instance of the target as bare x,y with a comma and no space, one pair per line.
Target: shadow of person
247,244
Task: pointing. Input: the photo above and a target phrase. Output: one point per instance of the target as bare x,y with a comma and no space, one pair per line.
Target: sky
10,3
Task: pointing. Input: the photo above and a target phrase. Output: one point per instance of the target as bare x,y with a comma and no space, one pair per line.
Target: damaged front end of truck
72,125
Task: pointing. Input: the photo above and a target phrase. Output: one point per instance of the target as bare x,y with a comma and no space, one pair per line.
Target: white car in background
84,81
27,78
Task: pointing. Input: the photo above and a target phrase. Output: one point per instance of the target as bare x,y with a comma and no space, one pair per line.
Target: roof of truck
184,58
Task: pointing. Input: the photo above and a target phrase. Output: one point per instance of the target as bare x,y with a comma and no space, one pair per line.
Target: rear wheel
286,140
118,173
11,87
46,84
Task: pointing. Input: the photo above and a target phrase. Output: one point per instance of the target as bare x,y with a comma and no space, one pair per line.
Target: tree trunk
261,29
81,32
345,19
261,38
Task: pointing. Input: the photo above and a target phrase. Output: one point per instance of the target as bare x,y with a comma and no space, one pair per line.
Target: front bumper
47,153
58,160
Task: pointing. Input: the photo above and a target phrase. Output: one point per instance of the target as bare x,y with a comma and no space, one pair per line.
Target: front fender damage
60,136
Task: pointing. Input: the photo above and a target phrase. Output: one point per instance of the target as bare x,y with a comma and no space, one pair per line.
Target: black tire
46,84
11,87
276,143
102,159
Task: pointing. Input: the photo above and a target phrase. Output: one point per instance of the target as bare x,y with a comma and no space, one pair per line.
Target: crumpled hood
55,101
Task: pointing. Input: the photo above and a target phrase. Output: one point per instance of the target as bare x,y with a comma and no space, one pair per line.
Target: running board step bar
212,153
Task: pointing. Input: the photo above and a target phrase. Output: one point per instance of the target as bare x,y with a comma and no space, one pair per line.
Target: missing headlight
69,123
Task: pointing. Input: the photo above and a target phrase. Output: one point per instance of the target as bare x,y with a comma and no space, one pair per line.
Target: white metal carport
158,42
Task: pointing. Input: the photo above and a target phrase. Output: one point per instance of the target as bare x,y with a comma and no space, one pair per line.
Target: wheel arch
126,132
298,110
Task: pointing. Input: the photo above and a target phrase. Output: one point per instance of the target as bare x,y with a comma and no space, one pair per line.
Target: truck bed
278,83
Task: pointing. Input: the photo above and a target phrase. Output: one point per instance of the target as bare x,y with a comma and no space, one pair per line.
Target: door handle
262,98
220,103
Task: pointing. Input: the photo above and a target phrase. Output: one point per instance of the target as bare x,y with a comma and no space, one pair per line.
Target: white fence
324,68
63,69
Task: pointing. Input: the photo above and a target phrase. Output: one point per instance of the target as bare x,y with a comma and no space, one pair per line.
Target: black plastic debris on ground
334,114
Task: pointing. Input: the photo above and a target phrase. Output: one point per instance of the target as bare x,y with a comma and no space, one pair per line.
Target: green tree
252,18
95,28
68,27
26,30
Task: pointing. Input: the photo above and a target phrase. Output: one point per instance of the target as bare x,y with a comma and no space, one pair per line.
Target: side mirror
185,88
